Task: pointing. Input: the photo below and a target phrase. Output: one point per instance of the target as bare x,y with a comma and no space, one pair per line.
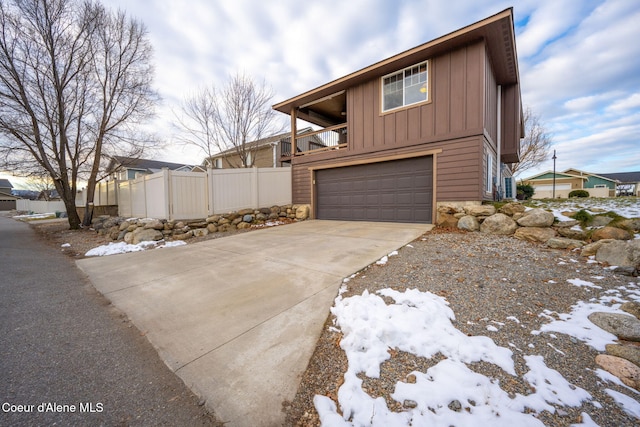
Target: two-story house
125,168
431,125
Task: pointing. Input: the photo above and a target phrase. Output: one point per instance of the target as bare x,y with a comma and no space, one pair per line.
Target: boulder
629,352
536,218
183,236
512,209
620,253
600,221
469,223
446,220
155,224
534,234
146,235
566,224
244,212
449,209
261,216
611,233
499,224
212,228
628,373
200,232
572,233
247,218
302,212
631,307
563,243
631,224
623,326
128,237
243,225
213,219
480,210
592,248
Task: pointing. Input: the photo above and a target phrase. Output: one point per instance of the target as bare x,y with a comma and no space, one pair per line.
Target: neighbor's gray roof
623,176
145,164
5,183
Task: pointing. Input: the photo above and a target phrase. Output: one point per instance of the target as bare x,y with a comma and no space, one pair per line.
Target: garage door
7,205
397,190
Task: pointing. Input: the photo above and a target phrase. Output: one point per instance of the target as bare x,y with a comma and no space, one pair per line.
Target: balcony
308,142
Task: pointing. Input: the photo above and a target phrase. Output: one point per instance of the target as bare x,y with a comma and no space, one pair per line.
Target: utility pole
554,174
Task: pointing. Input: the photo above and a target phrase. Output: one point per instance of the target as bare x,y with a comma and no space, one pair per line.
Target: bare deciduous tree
74,80
229,120
534,147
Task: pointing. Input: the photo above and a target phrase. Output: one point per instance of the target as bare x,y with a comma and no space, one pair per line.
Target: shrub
579,193
583,216
524,192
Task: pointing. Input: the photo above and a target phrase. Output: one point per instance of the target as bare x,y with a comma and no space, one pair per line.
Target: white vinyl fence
193,195
40,206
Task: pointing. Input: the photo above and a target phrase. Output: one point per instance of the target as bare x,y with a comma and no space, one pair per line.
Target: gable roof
142,164
497,31
583,173
5,183
623,177
558,174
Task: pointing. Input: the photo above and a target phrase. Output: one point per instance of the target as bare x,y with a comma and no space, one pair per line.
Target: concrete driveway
238,318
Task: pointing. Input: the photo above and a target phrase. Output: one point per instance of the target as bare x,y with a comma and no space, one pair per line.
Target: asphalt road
67,357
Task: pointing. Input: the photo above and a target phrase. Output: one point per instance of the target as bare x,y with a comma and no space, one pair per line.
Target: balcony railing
331,138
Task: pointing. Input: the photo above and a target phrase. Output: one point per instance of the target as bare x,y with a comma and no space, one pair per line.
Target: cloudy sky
579,59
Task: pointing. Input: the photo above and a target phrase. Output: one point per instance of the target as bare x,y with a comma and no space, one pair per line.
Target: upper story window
405,87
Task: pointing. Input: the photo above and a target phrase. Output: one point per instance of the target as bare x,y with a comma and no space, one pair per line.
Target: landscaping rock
566,224
243,225
600,221
183,236
631,307
155,224
512,209
622,254
146,235
302,212
469,223
480,210
247,218
499,224
592,248
200,232
611,233
212,228
536,218
534,234
623,326
214,218
628,373
628,352
244,212
447,220
631,224
571,233
564,243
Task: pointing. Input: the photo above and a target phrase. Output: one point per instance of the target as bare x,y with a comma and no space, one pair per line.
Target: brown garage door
7,205
396,190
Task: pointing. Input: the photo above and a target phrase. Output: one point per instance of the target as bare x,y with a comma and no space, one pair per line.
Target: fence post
168,205
210,190
254,188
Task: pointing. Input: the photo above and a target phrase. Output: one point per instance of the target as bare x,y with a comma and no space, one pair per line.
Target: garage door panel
398,190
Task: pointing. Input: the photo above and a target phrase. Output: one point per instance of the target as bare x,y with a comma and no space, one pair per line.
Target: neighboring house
7,200
272,152
126,168
428,126
569,180
628,183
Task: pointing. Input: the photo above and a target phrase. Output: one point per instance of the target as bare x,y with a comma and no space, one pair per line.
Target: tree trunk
70,203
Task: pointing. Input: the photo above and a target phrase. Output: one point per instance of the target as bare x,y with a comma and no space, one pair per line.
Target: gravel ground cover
488,281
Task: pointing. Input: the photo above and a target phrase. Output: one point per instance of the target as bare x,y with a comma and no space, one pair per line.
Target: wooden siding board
457,90
475,86
441,95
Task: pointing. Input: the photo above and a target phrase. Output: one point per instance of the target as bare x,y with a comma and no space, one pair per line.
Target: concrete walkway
238,318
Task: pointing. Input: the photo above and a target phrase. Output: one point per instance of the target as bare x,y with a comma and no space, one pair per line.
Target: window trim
405,106
488,184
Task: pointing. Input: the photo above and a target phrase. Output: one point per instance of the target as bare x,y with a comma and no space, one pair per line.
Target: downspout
499,144
274,146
